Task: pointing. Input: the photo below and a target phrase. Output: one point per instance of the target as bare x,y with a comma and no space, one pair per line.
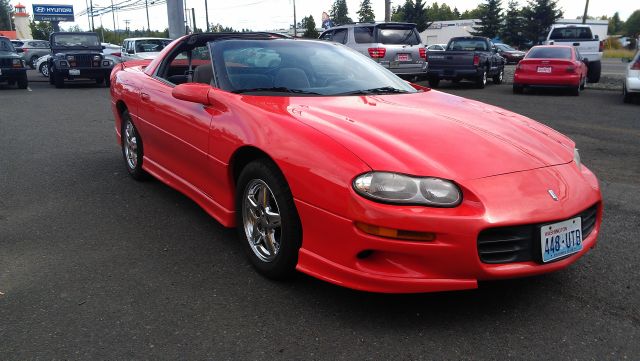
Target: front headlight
71,57
402,189
576,158
96,57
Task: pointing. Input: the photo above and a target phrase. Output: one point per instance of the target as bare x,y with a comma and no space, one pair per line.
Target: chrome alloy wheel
261,220
131,145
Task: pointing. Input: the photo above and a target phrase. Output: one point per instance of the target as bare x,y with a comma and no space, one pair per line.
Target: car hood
434,134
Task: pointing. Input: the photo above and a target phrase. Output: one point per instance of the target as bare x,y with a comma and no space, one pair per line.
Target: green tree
472,14
309,26
442,12
615,24
456,13
5,15
512,30
397,13
490,19
538,16
41,30
414,12
632,25
339,13
365,14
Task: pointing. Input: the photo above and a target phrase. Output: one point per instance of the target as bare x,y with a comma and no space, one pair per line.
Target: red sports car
551,66
330,164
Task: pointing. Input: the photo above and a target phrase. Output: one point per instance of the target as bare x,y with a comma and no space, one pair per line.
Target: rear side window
340,36
400,36
363,35
581,33
550,53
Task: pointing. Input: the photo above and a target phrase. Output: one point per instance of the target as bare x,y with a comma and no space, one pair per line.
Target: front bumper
85,73
7,74
351,258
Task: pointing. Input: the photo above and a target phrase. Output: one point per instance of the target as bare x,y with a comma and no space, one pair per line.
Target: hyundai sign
46,12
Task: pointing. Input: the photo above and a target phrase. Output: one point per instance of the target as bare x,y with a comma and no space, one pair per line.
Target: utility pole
146,6
88,14
193,16
115,31
93,28
295,22
126,26
206,14
186,18
586,9
387,10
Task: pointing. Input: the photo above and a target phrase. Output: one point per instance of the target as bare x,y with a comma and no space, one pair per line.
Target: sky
278,14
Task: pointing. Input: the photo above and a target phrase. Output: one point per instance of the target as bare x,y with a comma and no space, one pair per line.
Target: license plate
394,64
404,57
544,69
561,239
74,71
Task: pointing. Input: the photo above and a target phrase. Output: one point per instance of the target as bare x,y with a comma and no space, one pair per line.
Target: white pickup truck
581,37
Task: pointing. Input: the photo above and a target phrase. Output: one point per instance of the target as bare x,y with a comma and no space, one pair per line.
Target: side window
326,35
179,68
363,34
340,36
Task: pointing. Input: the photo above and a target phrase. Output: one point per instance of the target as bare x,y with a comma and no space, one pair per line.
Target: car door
176,132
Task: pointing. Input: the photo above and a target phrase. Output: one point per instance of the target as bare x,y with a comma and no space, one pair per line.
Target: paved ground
94,265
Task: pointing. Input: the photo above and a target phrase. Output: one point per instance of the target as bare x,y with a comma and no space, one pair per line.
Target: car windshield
504,47
76,40
572,33
5,45
277,67
467,45
549,53
151,45
397,35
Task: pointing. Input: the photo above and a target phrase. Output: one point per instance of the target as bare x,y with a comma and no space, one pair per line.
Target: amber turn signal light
395,233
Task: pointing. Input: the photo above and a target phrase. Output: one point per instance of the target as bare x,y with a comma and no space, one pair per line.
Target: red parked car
551,66
330,164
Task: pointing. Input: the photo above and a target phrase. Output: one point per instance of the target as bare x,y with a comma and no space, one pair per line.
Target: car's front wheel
498,78
44,69
481,81
269,225
132,149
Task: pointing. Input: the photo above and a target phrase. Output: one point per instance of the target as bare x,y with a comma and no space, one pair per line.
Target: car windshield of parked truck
5,45
151,45
292,68
549,53
571,33
398,36
467,45
76,40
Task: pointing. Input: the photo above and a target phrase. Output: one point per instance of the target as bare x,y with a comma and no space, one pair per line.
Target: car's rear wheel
499,77
23,82
481,81
626,96
58,79
269,225
44,69
593,71
583,83
434,82
132,149
517,89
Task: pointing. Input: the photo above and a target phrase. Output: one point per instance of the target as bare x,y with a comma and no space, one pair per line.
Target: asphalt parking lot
94,265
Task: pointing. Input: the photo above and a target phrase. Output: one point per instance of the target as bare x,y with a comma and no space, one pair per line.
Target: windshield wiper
279,89
380,90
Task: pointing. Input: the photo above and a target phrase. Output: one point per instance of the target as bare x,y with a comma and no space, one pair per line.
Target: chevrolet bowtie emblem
553,194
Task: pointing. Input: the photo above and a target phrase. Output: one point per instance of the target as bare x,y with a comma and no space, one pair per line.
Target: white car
437,47
142,48
42,63
631,86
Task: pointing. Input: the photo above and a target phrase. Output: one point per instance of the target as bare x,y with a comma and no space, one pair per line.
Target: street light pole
295,22
146,5
206,14
115,31
93,27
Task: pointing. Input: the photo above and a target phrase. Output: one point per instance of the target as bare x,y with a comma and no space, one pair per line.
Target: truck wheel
434,82
517,89
481,81
497,79
23,82
51,80
593,72
58,80
107,82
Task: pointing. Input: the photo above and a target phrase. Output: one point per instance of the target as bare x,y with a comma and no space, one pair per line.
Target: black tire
58,79
434,82
133,154
626,96
498,78
32,61
517,89
456,80
44,69
51,79
287,235
583,84
107,82
23,82
593,71
575,91
481,81
11,82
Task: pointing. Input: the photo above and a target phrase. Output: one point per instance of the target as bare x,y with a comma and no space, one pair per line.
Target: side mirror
19,50
193,92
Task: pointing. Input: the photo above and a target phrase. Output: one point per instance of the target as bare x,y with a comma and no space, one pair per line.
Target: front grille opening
522,243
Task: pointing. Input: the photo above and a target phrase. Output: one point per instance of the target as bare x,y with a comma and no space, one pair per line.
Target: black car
471,57
12,67
77,55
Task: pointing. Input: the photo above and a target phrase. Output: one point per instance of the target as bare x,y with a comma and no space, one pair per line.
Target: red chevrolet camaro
330,164
551,66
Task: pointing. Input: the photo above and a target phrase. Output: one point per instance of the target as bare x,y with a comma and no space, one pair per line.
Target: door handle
576,44
145,97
